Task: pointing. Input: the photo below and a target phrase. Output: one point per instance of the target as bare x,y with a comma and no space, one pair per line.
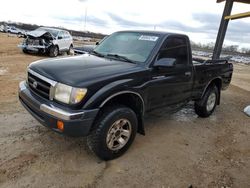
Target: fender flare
219,89
124,92
208,84
141,129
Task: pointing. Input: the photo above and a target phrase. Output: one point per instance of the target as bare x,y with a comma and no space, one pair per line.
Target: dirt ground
178,150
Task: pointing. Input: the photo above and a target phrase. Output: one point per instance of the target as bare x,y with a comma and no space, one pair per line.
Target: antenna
85,18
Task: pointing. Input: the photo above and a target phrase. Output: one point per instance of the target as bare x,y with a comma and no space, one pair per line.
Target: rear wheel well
218,83
131,101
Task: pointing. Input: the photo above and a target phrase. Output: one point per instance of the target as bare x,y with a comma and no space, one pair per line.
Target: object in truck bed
87,48
84,49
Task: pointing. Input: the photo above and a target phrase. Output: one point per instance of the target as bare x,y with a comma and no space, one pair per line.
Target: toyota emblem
34,84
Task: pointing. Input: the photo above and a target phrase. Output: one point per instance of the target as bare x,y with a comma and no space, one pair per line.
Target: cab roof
241,1
162,33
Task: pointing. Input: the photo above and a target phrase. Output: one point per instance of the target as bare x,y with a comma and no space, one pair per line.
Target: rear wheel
71,50
114,132
206,106
53,51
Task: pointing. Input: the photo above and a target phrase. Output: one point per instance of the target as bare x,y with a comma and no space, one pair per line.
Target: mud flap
141,129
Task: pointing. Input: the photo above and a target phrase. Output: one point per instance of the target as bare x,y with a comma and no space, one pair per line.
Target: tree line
226,48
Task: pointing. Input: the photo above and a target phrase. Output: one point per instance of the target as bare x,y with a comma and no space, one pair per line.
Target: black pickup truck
104,95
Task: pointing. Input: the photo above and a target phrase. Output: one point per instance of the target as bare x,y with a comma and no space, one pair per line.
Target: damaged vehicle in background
49,41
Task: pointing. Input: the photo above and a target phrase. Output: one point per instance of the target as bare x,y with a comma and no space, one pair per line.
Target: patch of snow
3,71
247,110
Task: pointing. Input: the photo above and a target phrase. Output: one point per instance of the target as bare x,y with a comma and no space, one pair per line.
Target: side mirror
59,37
97,43
165,62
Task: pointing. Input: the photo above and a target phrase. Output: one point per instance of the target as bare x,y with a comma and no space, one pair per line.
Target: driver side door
60,41
171,85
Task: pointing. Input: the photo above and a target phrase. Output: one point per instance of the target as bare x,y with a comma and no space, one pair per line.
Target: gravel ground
179,150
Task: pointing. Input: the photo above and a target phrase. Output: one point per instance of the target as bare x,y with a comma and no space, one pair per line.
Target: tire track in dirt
13,168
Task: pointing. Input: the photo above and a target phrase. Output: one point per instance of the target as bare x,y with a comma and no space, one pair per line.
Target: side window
65,35
60,35
176,48
68,34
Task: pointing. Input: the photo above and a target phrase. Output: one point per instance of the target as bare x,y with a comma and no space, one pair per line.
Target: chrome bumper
59,113
54,111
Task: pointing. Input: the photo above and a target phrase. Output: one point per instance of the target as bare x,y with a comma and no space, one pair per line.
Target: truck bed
205,69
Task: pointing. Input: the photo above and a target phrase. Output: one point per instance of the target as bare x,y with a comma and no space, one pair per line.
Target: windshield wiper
121,57
96,53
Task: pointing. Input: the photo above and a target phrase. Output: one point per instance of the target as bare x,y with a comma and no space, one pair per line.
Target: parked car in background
5,28
14,30
2,28
47,40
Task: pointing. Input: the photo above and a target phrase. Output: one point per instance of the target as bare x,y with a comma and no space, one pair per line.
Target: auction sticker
148,37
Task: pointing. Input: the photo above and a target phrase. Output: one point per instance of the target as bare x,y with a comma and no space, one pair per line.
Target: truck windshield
131,45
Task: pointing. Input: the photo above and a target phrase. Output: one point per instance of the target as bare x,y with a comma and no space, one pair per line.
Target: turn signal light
60,125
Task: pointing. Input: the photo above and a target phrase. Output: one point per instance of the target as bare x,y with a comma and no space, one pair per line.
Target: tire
103,140
71,50
53,51
206,106
25,51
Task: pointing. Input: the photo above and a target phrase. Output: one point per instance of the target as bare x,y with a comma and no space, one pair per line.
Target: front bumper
76,122
32,47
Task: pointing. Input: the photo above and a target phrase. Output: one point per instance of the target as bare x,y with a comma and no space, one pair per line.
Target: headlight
68,94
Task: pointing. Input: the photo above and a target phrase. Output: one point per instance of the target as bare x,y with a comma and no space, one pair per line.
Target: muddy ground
178,150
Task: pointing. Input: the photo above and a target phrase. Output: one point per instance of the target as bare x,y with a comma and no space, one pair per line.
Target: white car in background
2,28
14,30
48,40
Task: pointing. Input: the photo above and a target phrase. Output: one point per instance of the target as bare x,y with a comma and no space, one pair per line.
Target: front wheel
53,51
114,132
206,106
25,51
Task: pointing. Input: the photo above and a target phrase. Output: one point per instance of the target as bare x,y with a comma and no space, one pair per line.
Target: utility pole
85,18
223,29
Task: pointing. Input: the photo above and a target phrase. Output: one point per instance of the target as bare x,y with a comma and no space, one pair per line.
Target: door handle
158,77
187,73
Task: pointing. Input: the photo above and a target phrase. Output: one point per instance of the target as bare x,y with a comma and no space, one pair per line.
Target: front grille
39,86
32,41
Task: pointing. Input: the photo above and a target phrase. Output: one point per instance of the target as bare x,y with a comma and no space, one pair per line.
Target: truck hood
82,70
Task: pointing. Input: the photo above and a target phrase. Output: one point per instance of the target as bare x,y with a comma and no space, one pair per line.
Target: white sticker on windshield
148,37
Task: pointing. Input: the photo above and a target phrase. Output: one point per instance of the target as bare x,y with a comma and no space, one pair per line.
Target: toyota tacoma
105,95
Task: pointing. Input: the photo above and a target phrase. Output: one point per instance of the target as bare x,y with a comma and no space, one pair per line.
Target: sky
199,19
